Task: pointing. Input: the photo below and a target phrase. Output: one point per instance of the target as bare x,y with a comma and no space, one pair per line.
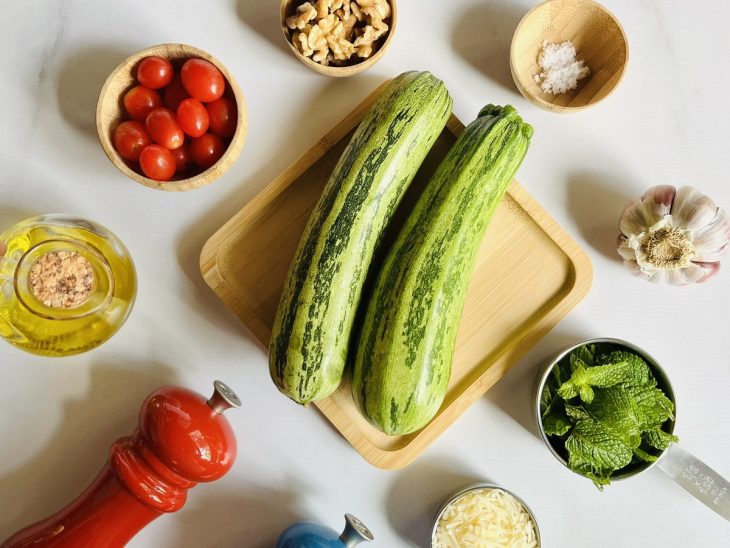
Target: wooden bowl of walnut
338,37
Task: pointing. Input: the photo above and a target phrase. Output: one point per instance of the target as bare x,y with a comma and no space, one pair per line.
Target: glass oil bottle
66,285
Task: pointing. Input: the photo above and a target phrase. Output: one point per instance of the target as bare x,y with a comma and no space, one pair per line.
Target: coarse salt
560,68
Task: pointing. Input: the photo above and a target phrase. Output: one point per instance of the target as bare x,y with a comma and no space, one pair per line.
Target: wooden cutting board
529,274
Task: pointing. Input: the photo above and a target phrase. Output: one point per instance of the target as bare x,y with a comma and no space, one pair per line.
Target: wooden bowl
288,7
110,113
598,38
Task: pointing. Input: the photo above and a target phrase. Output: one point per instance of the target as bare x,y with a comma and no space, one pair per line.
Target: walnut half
305,13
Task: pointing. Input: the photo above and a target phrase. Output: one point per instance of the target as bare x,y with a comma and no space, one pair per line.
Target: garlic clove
685,276
647,210
625,249
658,276
635,269
692,209
710,269
677,277
695,273
711,241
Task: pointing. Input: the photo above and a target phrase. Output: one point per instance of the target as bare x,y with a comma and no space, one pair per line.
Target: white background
667,123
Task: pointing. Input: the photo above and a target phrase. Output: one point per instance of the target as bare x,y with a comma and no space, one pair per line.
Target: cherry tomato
202,80
157,163
164,129
154,72
174,93
206,150
192,117
182,158
223,117
129,139
140,101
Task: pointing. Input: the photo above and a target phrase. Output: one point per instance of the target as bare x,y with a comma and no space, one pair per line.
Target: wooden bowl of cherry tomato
171,117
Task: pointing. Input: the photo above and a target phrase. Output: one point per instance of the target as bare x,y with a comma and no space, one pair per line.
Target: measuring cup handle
698,479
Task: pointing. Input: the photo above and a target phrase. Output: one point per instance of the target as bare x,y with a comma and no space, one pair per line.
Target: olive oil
35,325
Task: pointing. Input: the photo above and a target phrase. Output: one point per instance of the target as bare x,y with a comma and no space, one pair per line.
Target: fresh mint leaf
576,412
604,358
600,477
658,438
653,406
616,409
576,363
552,408
585,354
584,379
555,422
617,367
644,455
603,376
550,389
595,451
636,372
558,375
568,390
586,393
546,398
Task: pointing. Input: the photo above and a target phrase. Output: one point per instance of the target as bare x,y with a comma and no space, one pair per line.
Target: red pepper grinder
182,439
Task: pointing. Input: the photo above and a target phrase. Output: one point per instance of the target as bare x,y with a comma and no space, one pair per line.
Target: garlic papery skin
674,236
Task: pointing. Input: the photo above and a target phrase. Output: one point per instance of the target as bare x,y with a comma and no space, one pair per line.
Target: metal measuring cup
693,475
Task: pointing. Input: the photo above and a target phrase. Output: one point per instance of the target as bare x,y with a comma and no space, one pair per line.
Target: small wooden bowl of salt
567,55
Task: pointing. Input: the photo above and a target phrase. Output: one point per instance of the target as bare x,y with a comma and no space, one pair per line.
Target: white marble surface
667,123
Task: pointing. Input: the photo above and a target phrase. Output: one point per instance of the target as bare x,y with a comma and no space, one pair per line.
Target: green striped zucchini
403,359
311,333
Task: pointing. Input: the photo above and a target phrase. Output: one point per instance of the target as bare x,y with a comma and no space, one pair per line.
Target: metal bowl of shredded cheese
484,515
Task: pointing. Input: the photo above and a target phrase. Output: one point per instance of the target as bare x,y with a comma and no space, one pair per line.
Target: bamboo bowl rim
519,77
338,72
105,125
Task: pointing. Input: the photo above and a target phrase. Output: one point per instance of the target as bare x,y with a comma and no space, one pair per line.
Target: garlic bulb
673,235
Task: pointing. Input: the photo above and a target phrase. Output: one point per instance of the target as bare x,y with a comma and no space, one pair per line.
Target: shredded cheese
485,518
